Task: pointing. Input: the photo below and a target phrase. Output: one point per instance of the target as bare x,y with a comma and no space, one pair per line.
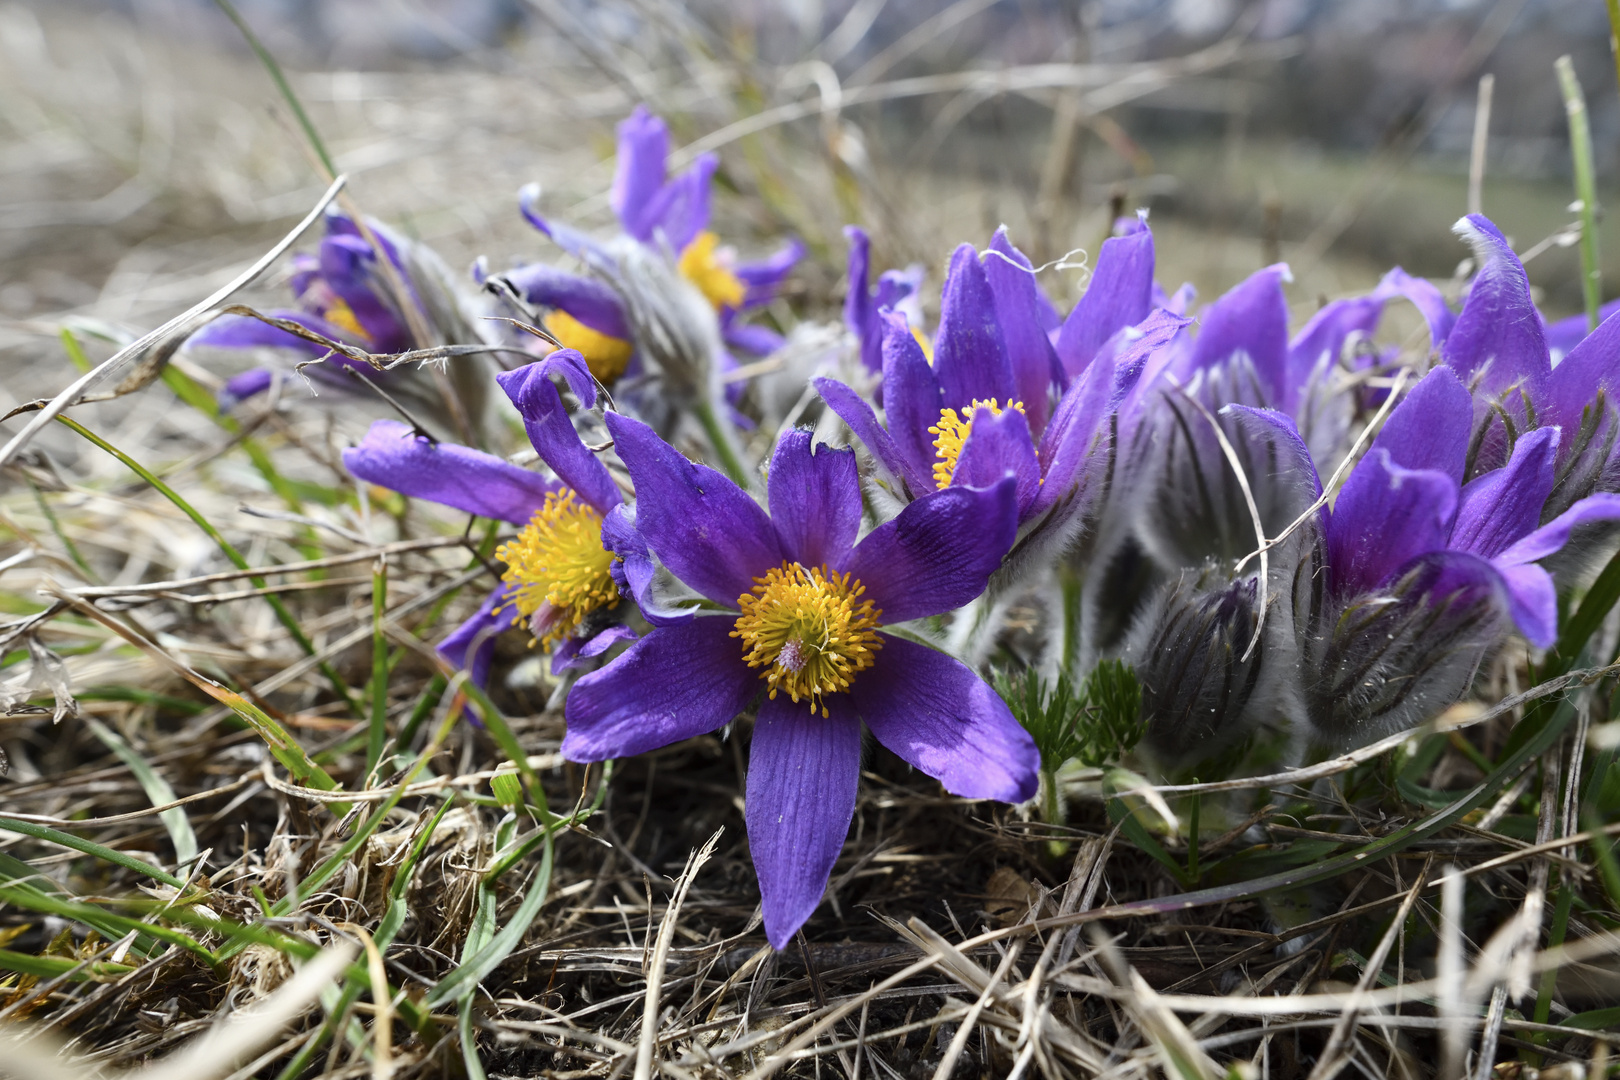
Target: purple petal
575,651
1035,365
938,553
1385,516
1498,333
1426,298
634,571
246,332
939,716
1592,366
569,239
1429,429
1563,335
346,266
860,314
751,338
1320,343
1552,536
854,410
1532,600
1141,355
682,208
1120,295
1252,319
587,300
638,173
395,457
815,498
996,447
803,771
1505,504
554,437
250,383
912,400
704,528
764,277
478,634
673,684
970,355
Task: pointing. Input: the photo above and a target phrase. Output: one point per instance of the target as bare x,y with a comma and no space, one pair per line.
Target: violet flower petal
1426,298
591,302
1035,366
673,684
815,499
393,456
803,773
860,314
999,446
1592,365
935,713
634,571
553,435
1252,318
752,338
575,651
854,410
1499,330
1429,429
639,171
346,266
762,278
1563,335
682,208
704,528
250,383
970,354
1320,343
1505,504
912,400
246,332
1532,600
1120,295
478,635
938,553
1386,516
1552,537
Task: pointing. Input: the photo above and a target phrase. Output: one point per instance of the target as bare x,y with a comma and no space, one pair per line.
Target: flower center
557,569
341,315
701,264
953,432
606,355
809,629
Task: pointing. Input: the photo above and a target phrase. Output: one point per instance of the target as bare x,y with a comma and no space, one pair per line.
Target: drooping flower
660,213
807,632
344,294
559,579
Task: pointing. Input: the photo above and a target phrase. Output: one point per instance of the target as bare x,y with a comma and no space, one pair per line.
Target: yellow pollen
953,431
606,355
341,315
558,560
700,264
927,346
809,629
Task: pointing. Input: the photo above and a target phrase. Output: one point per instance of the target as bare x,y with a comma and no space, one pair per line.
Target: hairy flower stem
724,443
1052,811
1580,150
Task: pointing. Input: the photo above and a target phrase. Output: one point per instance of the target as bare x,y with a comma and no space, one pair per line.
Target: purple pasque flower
559,579
1426,571
806,631
1502,354
343,294
658,212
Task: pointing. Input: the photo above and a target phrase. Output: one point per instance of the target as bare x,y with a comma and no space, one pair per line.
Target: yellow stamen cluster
953,431
809,629
701,265
606,355
341,315
558,561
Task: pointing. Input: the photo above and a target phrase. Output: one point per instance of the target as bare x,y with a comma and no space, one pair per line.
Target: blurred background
145,156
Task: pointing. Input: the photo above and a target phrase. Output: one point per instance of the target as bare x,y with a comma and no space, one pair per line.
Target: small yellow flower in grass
557,570
701,265
809,629
953,431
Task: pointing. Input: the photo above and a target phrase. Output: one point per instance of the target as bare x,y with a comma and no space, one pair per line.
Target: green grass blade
465,979
91,848
1580,151
54,967
377,733
157,789
280,79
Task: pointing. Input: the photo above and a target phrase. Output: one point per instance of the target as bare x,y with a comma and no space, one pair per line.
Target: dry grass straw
175,864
